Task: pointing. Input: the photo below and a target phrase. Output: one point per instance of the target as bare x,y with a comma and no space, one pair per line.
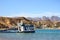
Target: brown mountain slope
7,22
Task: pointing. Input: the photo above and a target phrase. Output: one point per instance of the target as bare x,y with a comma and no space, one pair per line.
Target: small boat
22,28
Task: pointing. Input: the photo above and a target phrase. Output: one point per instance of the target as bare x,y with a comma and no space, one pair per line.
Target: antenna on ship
19,25
21,22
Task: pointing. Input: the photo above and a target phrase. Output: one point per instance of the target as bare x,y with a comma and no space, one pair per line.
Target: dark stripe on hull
6,31
27,31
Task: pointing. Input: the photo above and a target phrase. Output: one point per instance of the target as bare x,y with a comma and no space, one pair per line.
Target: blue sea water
38,35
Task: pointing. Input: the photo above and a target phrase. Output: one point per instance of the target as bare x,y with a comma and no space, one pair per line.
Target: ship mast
19,26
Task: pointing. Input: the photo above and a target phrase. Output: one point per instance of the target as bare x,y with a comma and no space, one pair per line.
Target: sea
40,34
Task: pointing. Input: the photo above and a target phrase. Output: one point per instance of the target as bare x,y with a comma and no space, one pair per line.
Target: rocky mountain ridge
44,22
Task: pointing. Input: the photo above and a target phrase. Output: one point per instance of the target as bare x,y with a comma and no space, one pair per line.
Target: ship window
25,28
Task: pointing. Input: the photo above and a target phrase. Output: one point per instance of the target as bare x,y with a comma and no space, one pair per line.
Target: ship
25,28
21,28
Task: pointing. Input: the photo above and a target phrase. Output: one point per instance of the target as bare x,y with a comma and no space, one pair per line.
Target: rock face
9,22
49,22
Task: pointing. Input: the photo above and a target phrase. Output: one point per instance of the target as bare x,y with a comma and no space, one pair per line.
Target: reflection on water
38,35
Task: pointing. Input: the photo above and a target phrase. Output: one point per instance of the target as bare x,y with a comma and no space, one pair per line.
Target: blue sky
30,8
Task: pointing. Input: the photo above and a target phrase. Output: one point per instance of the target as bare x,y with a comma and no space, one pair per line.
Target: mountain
7,22
48,21
55,18
38,22
34,19
52,18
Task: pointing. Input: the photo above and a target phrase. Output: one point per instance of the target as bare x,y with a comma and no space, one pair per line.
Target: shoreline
35,29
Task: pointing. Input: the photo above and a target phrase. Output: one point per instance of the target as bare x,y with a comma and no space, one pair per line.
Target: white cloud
49,14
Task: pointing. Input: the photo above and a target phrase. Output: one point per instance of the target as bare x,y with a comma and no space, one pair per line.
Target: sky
29,8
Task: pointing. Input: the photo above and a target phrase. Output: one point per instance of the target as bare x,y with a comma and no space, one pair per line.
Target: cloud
49,14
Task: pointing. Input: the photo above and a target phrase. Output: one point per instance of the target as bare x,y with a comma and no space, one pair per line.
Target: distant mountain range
8,22
53,18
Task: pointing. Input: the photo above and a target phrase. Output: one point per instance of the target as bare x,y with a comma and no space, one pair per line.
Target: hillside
44,22
7,22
